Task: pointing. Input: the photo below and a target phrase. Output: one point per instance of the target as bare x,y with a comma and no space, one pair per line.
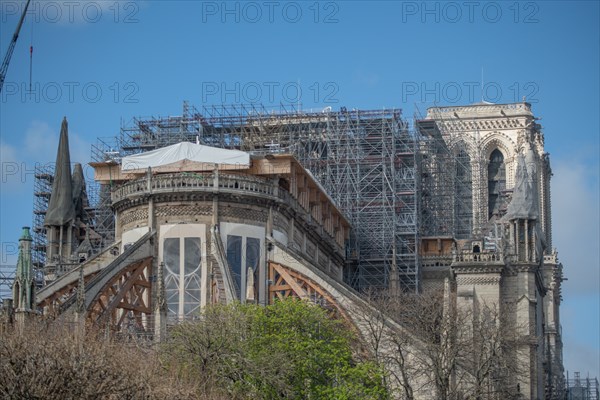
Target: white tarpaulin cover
182,152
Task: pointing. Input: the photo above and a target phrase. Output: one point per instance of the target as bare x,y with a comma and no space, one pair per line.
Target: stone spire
60,216
60,207
24,286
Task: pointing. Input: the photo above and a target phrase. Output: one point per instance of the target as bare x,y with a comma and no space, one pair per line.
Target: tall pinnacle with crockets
61,211
24,284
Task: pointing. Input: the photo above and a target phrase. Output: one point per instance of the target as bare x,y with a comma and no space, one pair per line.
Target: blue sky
103,62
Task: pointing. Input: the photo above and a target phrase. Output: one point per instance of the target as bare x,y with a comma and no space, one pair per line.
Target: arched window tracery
496,184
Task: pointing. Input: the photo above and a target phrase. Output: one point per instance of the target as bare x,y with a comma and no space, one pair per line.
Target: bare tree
390,346
59,362
492,360
428,344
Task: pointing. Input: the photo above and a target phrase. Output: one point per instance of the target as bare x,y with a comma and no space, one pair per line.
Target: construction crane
11,48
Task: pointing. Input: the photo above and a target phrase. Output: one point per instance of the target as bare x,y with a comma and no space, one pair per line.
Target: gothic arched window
496,183
183,261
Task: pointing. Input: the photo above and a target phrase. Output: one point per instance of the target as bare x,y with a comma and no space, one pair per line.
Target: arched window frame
495,186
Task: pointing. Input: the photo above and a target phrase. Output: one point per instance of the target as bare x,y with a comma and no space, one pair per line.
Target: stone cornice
481,125
478,110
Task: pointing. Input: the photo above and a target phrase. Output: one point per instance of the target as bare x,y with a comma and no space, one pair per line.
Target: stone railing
468,257
248,184
189,182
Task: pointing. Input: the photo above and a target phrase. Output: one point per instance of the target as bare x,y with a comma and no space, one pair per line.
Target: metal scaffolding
7,276
101,215
578,388
446,180
395,184
42,188
446,185
96,214
365,160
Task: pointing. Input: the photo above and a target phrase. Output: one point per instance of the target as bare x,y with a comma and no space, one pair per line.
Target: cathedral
320,206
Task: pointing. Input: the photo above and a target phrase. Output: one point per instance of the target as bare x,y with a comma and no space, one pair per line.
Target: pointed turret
524,200
527,239
24,286
60,207
24,271
60,216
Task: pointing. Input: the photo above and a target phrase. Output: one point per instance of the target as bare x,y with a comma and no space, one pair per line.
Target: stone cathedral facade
504,257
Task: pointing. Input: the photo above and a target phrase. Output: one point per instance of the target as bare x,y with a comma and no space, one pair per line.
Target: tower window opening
496,184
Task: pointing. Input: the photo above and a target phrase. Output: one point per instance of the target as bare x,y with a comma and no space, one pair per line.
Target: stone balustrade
186,182
468,257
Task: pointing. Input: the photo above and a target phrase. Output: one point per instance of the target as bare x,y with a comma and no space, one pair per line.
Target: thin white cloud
576,224
581,340
40,139
576,231
38,146
41,143
11,167
7,152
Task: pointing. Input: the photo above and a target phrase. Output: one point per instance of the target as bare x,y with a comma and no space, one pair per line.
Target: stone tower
507,260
